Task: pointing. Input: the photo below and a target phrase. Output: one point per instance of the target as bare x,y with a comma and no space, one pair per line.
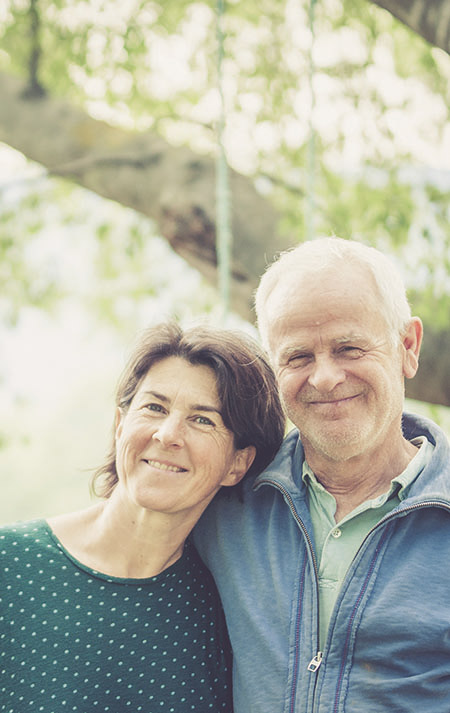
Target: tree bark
429,18
175,188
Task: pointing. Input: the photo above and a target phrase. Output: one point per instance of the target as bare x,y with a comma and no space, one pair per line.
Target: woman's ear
118,421
411,341
243,458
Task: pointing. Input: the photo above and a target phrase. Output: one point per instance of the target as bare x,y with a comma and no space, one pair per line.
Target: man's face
340,376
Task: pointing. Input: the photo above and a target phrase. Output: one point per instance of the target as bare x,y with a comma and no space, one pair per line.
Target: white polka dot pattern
72,639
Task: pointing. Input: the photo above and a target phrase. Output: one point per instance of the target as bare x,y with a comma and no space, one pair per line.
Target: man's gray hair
321,253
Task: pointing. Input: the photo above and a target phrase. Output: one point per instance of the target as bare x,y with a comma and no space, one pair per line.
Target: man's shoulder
287,461
237,524
434,480
414,425
280,473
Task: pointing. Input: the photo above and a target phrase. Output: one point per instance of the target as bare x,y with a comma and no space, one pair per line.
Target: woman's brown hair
251,408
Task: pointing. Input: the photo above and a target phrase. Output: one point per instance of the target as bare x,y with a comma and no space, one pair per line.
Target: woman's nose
170,431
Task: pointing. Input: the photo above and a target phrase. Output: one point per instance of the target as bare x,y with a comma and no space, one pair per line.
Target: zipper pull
315,662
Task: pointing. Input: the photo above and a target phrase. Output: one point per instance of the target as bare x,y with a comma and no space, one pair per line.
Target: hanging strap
224,238
311,166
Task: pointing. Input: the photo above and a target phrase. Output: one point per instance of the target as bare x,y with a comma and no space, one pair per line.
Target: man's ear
243,458
411,341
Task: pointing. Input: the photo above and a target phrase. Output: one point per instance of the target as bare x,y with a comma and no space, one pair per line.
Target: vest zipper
315,662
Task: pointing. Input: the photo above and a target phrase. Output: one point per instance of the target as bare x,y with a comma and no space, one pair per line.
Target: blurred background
155,156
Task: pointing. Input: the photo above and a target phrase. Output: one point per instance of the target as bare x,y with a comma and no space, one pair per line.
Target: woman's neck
121,541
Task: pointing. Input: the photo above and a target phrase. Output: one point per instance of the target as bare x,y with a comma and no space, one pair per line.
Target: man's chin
336,444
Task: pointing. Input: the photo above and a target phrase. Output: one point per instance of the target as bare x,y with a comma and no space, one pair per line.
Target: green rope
311,174
224,237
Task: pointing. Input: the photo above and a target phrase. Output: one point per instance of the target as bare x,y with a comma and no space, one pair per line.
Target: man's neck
361,478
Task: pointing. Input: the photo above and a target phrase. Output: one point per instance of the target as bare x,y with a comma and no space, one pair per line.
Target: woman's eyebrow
194,407
156,395
203,407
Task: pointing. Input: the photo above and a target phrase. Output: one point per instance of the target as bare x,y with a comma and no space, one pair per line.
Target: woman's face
173,451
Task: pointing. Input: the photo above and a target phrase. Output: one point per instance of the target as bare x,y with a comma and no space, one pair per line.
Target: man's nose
170,431
326,373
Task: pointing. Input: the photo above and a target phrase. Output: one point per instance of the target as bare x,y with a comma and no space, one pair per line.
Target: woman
110,608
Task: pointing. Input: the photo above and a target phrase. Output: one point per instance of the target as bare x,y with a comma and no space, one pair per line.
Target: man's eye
351,351
298,359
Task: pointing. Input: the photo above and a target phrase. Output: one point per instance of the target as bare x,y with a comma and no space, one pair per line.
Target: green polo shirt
337,543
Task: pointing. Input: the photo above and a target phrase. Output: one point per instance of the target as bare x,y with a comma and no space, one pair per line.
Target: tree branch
429,18
34,90
175,188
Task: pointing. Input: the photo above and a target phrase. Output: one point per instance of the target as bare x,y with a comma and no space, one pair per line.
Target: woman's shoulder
21,537
22,530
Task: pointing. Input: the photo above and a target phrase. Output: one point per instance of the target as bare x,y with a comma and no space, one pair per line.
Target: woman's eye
204,421
155,407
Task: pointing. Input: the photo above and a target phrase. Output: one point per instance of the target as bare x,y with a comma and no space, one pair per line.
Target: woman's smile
160,465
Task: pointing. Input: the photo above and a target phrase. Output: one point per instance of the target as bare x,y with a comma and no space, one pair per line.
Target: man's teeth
164,466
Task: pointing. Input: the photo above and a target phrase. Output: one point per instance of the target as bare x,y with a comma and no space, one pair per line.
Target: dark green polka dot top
73,639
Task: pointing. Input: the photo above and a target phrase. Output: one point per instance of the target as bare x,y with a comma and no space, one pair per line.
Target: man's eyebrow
355,337
298,349
304,349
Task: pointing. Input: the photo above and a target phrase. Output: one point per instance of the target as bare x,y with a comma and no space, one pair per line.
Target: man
334,566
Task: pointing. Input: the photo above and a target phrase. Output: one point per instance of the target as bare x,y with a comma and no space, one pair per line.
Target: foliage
378,102
25,278
58,242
